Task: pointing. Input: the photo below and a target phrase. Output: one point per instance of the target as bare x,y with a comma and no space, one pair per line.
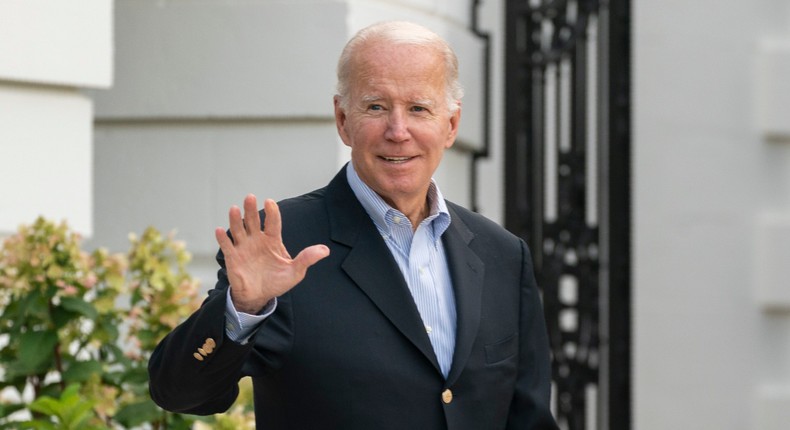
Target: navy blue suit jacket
346,348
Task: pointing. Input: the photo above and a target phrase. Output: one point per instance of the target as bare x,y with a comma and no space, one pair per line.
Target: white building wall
216,99
712,215
49,50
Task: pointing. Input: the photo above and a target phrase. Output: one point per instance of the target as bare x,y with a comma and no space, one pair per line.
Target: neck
415,210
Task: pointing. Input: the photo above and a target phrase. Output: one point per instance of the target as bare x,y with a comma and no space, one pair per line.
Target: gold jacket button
202,352
447,396
198,356
210,343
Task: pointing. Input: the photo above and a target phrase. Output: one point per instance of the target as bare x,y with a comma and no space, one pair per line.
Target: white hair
400,33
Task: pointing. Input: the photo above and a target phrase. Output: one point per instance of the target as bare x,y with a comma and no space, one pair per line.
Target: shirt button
447,396
396,219
428,329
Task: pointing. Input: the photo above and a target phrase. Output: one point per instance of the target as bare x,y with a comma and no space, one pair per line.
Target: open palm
258,265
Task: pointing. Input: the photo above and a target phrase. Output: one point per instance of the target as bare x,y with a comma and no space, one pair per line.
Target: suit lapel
371,266
466,271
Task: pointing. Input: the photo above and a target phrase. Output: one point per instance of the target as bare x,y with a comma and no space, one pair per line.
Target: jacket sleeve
195,369
530,408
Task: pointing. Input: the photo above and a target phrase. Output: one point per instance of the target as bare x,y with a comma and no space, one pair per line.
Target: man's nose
397,127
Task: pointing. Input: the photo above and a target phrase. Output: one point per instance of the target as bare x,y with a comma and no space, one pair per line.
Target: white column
49,51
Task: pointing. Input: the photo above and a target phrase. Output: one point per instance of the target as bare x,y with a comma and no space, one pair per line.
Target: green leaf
34,306
76,412
75,304
138,413
80,371
184,422
47,406
61,317
36,349
12,311
106,332
136,375
70,409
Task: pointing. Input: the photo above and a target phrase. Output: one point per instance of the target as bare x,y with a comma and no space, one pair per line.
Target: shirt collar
382,213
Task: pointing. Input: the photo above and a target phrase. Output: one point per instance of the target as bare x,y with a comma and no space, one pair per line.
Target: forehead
413,67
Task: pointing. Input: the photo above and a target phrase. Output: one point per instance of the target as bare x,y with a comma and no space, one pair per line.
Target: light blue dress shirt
420,256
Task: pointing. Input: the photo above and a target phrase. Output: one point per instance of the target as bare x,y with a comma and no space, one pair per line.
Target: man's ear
340,120
455,120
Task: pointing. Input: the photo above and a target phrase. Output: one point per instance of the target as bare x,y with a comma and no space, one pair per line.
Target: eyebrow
370,98
374,98
423,102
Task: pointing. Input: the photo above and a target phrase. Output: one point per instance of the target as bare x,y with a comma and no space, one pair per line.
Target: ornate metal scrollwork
568,191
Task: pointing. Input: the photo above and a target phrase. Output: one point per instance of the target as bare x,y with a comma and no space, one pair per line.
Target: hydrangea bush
77,329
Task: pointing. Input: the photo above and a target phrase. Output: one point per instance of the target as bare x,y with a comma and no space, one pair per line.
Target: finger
236,224
223,240
309,256
272,224
252,220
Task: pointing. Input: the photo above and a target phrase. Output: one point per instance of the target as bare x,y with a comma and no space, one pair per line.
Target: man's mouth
396,160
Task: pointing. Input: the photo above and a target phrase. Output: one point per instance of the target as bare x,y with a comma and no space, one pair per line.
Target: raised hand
258,265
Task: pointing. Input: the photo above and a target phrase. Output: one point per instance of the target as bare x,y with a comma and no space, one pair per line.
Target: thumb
309,256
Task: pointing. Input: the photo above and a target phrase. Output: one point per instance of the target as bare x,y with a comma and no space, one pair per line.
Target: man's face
397,122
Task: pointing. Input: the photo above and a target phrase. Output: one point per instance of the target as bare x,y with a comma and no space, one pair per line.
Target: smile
396,160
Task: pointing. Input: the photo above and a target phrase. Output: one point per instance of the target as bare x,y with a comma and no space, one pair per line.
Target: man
400,310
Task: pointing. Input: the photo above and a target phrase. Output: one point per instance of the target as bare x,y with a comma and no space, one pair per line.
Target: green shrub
77,329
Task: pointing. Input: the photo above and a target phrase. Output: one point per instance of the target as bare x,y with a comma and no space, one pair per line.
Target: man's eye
418,109
375,107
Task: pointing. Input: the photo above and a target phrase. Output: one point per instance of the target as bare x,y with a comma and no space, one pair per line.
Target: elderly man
400,310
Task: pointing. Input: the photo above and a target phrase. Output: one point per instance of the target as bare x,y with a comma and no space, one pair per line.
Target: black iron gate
568,192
